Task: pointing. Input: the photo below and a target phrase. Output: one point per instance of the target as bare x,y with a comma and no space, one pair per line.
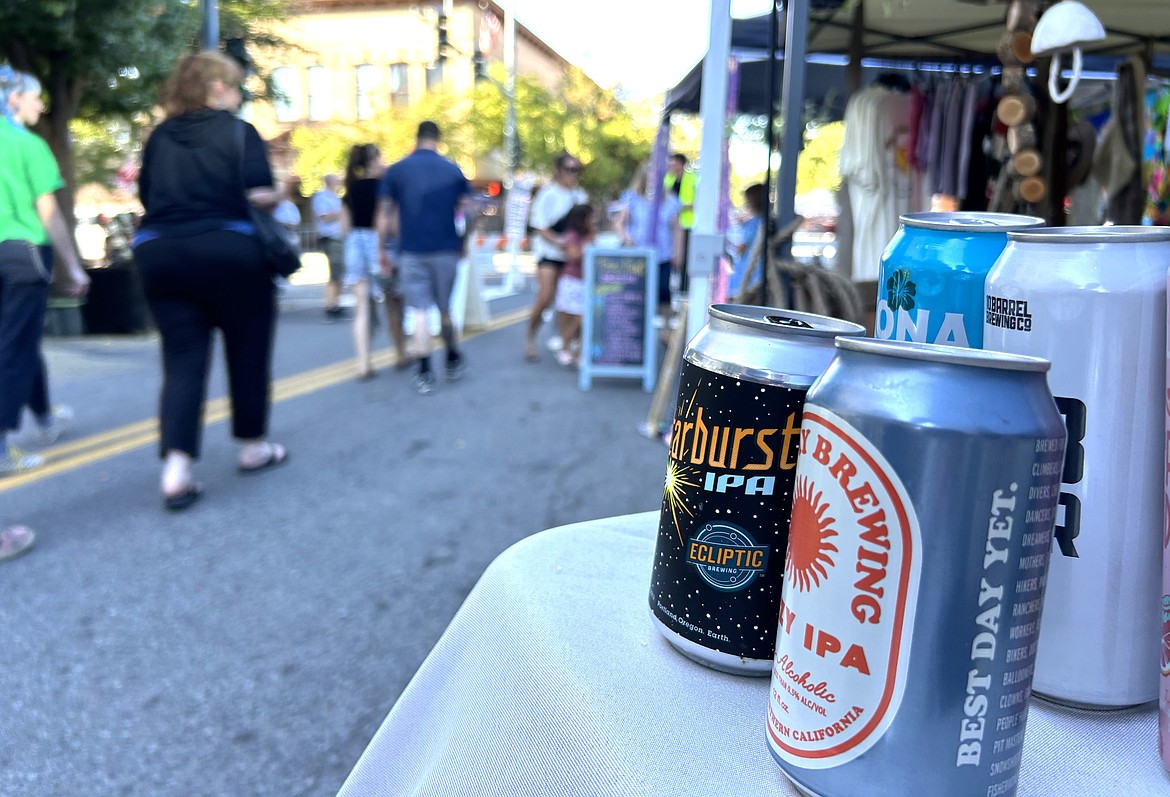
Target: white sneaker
425,383
18,462
60,419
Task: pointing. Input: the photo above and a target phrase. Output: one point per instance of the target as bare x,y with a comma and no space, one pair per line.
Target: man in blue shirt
419,199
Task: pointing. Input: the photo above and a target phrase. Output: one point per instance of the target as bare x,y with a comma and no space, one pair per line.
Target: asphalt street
252,645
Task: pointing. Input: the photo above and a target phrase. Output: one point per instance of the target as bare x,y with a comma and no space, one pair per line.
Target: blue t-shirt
427,188
749,229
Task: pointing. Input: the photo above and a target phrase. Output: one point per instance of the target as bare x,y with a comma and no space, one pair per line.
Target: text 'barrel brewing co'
1092,300
930,285
719,558
925,489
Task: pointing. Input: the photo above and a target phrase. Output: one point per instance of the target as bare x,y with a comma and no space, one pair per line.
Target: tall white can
1092,300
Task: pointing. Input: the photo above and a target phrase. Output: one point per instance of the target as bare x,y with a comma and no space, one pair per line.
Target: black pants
194,285
24,290
38,397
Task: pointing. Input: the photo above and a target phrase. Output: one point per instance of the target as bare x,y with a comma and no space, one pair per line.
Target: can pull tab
787,321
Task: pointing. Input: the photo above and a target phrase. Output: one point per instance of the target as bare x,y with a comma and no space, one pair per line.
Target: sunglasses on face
571,169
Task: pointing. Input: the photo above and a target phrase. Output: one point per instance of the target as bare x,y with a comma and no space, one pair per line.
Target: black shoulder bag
282,251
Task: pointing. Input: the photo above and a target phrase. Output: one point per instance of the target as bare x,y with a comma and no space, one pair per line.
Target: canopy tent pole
795,51
770,140
706,245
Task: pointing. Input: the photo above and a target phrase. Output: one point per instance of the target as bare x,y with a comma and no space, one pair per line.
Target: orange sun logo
808,539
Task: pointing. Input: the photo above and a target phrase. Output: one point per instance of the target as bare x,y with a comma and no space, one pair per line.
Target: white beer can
1092,300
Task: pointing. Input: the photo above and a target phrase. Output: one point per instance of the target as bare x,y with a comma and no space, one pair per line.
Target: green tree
107,59
579,117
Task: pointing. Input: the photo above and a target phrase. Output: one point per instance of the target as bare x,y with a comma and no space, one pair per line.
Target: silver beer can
926,487
719,556
1092,300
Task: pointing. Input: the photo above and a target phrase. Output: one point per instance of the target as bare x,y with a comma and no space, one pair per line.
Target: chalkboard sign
621,301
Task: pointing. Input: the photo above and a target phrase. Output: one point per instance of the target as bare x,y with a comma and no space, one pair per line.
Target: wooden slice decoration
1021,137
1026,162
1015,109
1022,15
1015,47
1031,189
1013,79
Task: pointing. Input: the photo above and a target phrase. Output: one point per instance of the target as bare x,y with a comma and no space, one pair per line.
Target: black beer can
723,532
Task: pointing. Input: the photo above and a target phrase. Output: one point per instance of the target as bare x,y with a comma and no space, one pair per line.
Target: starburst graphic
674,494
808,539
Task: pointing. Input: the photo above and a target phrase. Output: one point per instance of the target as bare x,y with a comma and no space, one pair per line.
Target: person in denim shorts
419,199
359,204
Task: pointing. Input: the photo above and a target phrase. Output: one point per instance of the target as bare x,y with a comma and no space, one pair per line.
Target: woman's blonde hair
186,89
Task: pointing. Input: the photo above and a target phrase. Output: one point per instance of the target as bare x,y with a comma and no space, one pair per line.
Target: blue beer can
925,494
930,282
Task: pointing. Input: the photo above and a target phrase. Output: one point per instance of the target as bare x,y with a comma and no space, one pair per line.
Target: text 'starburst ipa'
926,485
930,285
715,588
1092,301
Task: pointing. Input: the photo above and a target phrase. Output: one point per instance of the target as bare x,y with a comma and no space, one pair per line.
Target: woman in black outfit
202,269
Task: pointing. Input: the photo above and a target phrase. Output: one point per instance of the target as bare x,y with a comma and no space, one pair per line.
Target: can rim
1123,233
762,318
953,355
970,221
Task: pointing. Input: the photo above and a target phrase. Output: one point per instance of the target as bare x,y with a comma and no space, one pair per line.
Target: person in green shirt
29,218
682,183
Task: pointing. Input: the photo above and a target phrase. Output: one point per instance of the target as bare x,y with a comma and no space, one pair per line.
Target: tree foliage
107,59
579,117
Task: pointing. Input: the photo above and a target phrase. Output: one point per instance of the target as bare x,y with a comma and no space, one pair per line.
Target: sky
646,45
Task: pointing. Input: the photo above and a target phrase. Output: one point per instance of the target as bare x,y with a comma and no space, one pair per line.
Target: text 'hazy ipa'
1092,301
930,286
715,588
925,489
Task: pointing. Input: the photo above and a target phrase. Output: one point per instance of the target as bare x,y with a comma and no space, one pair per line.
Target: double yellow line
87,450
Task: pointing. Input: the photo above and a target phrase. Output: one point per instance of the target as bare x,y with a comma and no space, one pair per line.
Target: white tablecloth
551,680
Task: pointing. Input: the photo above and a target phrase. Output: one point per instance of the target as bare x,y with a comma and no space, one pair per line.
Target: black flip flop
278,456
180,501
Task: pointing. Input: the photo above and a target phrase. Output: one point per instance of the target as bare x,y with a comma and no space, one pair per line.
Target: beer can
719,556
1164,670
930,281
1092,300
926,486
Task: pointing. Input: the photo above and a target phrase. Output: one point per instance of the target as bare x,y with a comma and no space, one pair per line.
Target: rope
796,286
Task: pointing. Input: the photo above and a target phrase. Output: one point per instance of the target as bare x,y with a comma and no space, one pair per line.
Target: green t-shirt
28,171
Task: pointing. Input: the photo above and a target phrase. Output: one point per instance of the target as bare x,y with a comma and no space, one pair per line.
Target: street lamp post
210,25
512,280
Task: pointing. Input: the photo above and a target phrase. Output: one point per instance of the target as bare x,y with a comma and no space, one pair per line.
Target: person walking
326,206
359,208
30,219
420,197
203,269
24,107
580,231
549,207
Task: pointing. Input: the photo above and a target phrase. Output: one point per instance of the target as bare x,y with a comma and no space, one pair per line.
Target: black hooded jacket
191,181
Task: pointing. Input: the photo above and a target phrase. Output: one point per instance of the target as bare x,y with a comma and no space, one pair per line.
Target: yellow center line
112,442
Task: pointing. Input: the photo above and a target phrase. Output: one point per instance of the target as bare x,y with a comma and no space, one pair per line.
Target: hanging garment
875,162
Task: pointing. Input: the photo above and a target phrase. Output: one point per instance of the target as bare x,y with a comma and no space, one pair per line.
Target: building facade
352,59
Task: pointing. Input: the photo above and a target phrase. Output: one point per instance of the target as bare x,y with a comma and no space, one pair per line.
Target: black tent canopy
912,33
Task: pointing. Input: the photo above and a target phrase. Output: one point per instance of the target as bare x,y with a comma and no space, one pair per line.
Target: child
580,230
